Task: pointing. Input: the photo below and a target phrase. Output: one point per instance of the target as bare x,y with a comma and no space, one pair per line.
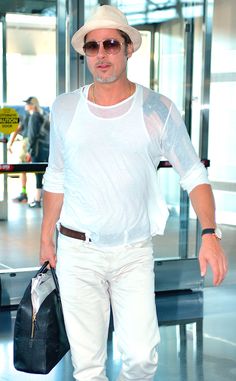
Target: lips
102,65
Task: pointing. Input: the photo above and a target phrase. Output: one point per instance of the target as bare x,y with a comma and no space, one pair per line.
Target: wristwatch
214,231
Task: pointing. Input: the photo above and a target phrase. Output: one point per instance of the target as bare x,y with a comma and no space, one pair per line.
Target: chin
105,80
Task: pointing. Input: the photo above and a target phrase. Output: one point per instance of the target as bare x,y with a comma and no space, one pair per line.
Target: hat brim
78,38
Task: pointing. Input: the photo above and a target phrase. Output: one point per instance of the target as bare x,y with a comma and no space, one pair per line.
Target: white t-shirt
104,159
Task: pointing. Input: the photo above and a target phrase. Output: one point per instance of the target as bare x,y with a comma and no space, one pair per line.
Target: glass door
181,76
170,73
170,61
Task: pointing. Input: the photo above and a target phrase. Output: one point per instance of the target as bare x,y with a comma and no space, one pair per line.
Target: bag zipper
33,325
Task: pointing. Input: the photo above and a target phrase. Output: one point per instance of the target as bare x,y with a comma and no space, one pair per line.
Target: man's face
27,107
107,68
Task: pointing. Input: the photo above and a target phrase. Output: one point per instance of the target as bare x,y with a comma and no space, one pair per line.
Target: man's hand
48,253
52,204
212,254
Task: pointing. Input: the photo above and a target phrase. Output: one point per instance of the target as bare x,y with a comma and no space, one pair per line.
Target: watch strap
208,231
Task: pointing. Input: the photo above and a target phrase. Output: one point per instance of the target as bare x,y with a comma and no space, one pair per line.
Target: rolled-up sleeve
178,149
197,175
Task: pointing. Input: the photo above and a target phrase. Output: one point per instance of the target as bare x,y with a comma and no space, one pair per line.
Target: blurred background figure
22,130
38,143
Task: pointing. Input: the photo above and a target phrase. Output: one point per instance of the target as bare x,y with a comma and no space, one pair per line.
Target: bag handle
44,269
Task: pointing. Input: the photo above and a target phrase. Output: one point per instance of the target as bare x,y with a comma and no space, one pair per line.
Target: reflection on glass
140,61
33,51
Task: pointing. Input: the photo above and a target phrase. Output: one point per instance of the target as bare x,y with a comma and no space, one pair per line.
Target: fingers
217,261
52,261
203,266
223,268
47,253
219,269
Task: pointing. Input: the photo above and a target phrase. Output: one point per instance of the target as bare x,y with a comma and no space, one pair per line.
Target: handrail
41,167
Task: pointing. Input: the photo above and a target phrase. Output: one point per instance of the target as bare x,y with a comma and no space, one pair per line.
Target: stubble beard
110,79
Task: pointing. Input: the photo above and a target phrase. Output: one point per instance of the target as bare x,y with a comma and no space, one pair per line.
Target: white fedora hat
105,16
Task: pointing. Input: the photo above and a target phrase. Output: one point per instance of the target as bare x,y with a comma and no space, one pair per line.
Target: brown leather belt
73,233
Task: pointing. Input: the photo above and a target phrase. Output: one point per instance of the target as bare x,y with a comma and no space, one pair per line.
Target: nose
101,50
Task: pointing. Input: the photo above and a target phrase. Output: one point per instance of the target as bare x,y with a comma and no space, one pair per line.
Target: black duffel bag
40,339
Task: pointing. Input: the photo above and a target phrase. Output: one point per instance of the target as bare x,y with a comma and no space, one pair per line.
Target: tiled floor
200,350
204,350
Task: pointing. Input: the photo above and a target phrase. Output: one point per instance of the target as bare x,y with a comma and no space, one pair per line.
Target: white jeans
91,279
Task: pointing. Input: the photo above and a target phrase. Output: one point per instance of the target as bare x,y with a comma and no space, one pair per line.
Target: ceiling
45,7
137,11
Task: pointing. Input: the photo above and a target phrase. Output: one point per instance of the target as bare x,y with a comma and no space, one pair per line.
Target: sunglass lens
91,48
111,46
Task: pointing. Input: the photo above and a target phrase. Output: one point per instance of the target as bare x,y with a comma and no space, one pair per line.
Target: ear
130,50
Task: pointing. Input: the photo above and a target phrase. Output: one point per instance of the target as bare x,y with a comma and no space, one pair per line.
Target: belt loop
87,239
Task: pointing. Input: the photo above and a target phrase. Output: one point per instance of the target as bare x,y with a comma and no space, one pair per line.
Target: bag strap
54,275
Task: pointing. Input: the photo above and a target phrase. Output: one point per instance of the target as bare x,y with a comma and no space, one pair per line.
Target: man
106,142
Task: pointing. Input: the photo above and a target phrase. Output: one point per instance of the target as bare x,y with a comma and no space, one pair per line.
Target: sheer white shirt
104,160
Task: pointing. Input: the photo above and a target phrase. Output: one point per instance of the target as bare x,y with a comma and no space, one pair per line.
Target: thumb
203,265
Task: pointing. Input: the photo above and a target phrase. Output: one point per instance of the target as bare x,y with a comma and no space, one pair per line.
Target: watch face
218,233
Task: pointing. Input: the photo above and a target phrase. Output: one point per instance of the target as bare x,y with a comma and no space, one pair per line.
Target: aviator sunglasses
110,45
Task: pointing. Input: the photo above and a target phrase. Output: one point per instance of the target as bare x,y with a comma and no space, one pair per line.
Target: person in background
38,148
101,190
23,131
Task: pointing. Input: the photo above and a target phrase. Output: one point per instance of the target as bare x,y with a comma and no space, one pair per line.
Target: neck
108,95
